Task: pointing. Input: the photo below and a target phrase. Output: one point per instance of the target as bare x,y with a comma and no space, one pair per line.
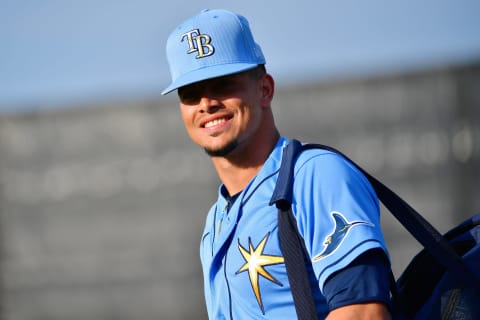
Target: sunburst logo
255,263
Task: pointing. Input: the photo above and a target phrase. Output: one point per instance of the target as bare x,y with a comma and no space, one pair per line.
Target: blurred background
103,196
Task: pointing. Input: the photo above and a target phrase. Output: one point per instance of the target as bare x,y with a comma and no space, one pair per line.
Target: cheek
186,114
253,116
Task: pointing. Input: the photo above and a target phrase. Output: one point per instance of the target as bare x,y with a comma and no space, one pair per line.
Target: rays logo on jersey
341,228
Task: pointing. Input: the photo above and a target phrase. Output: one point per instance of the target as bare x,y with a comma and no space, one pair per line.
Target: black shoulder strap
420,228
291,242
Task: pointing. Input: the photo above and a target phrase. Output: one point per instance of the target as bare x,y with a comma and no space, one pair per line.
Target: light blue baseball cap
211,44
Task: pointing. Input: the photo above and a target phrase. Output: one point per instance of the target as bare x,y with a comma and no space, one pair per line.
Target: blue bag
427,290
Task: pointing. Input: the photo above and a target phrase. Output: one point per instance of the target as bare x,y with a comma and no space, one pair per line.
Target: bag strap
296,260
292,244
415,224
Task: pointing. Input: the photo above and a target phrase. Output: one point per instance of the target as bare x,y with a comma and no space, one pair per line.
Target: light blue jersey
337,214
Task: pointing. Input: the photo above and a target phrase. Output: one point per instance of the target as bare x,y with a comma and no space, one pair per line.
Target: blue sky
62,52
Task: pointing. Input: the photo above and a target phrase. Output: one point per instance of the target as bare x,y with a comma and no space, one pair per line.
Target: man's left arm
361,311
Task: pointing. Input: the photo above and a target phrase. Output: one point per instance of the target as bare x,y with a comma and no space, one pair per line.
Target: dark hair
258,71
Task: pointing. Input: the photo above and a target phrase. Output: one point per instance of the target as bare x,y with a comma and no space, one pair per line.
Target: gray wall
102,208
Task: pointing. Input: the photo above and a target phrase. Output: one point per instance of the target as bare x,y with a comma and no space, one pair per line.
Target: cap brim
208,73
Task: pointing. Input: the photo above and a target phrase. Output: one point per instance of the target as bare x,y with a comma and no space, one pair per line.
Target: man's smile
214,122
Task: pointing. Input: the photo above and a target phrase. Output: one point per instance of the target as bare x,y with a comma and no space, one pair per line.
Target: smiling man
225,98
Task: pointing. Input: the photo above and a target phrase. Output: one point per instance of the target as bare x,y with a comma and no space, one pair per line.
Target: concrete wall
102,208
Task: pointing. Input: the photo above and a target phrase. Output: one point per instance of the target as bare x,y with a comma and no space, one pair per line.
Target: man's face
223,113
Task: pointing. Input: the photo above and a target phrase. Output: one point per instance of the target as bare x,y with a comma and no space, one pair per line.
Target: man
225,101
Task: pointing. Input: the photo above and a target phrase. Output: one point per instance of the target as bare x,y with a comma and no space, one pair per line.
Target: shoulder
324,163
323,174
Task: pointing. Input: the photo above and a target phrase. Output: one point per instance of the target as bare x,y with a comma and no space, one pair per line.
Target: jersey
338,216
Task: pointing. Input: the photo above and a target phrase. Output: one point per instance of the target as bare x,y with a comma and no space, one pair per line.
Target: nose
209,103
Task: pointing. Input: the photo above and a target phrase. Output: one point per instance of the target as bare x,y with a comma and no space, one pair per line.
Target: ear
267,89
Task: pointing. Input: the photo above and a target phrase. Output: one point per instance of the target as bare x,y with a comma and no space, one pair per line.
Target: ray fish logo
199,43
340,230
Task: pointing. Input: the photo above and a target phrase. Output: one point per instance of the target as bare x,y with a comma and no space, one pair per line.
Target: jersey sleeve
366,279
337,211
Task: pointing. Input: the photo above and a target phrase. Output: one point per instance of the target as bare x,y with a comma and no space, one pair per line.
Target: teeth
214,123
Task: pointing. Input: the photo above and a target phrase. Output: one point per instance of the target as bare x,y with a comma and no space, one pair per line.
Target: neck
242,165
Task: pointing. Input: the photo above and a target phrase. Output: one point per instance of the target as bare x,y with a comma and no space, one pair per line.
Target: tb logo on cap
200,43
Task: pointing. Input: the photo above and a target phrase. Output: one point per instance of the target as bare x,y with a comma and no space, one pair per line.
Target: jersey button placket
223,214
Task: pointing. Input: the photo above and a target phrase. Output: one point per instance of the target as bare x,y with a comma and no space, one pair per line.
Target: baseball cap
211,44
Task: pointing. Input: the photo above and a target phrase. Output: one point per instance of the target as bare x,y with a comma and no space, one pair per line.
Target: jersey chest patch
256,261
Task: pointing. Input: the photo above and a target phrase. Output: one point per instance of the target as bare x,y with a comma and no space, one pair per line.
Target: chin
222,151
